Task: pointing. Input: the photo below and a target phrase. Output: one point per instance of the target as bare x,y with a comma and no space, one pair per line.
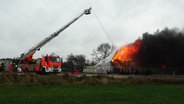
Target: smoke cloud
162,48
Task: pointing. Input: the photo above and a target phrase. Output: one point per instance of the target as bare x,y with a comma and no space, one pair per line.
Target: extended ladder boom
52,36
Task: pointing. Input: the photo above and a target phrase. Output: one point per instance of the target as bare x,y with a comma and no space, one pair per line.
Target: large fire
127,53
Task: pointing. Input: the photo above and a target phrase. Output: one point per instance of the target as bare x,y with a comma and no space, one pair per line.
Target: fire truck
47,63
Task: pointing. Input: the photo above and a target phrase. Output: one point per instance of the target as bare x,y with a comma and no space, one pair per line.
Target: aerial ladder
52,36
27,56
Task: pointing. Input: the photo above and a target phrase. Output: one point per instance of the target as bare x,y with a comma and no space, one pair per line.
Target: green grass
69,89
94,94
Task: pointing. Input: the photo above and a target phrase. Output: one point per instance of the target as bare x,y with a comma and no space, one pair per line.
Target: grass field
94,94
69,89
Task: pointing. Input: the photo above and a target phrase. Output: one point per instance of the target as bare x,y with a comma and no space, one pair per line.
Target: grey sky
23,23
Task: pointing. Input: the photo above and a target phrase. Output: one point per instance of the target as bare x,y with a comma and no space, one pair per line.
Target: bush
66,79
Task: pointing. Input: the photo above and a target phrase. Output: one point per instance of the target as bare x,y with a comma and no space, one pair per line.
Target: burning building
160,52
126,54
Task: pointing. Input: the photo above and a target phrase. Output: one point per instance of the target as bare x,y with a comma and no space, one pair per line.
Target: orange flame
126,53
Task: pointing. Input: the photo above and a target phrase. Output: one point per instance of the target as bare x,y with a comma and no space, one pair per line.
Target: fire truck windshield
55,59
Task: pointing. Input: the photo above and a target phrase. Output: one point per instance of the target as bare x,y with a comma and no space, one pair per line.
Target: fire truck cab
48,64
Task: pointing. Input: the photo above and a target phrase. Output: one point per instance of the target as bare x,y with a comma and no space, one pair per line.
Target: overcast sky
23,23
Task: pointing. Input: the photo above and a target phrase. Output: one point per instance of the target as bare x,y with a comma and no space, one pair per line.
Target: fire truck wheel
25,70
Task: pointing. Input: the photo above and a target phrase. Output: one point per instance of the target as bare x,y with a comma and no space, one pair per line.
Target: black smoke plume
163,48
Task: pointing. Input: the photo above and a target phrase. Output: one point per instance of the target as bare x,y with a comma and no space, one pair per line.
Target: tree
80,61
77,61
102,51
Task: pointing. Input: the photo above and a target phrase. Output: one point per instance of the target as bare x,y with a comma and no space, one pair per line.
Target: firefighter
2,66
15,67
75,71
11,67
47,58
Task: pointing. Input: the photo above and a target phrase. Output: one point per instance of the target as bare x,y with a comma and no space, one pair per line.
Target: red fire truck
48,63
